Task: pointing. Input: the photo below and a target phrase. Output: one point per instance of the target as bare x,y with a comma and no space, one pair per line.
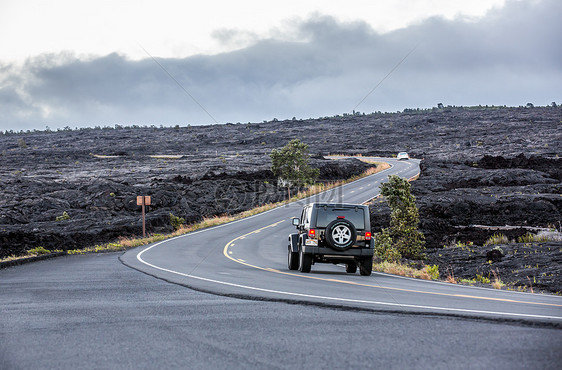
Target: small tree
404,219
290,164
384,247
176,222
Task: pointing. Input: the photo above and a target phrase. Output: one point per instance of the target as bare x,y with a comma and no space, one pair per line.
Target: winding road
247,258
92,312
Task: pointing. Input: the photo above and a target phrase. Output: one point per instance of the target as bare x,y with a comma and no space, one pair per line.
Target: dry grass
38,251
450,279
450,276
12,258
397,268
530,284
414,178
541,237
108,247
497,283
382,165
497,239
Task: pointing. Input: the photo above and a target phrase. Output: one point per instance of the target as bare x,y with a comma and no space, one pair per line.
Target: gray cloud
512,56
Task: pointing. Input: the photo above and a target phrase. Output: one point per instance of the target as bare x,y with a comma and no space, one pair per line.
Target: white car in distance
403,156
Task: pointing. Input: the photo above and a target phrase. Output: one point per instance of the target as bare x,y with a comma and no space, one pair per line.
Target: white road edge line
338,299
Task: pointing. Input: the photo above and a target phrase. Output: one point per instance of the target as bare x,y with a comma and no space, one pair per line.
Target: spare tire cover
340,234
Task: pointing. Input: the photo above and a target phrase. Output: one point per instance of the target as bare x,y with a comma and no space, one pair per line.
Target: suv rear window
326,215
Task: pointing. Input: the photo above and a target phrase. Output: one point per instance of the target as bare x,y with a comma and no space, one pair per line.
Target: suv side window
306,219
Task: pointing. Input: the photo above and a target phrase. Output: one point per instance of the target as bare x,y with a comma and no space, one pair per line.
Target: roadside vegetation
499,245
399,248
401,239
290,164
401,269
552,235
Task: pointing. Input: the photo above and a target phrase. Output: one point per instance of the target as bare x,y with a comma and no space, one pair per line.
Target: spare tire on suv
340,234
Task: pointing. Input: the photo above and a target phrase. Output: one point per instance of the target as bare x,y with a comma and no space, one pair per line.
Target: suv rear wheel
293,260
366,266
305,261
351,267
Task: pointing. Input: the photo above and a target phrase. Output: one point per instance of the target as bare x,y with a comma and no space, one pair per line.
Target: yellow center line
228,253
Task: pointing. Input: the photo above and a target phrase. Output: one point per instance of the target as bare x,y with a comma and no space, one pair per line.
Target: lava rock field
484,170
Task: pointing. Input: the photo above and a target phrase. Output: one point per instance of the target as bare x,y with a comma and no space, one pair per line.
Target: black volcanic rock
482,169
466,203
104,208
453,197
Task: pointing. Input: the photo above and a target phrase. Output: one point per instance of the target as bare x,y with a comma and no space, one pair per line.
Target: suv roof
342,205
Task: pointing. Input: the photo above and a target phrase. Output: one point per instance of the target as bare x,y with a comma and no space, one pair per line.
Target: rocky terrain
463,203
485,170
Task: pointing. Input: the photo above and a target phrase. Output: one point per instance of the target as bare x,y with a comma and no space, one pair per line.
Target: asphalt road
91,311
248,258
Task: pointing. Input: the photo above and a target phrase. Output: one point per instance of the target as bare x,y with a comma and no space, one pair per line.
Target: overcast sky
89,63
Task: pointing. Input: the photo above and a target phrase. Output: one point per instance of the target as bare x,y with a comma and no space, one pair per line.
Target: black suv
332,233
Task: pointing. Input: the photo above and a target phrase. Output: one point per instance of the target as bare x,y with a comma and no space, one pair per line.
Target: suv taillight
311,233
367,235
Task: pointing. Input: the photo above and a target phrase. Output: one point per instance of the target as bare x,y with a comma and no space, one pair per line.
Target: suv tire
305,261
351,267
293,260
366,266
340,234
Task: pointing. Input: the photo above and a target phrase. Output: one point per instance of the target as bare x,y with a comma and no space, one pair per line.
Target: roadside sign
143,200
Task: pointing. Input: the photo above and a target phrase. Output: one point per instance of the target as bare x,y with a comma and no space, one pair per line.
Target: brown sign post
143,200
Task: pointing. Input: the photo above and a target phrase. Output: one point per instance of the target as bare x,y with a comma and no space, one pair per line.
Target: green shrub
384,248
38,251
433,271
482,279
176,221
65,216
404,217
467,281
497,239
527,238
539,238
